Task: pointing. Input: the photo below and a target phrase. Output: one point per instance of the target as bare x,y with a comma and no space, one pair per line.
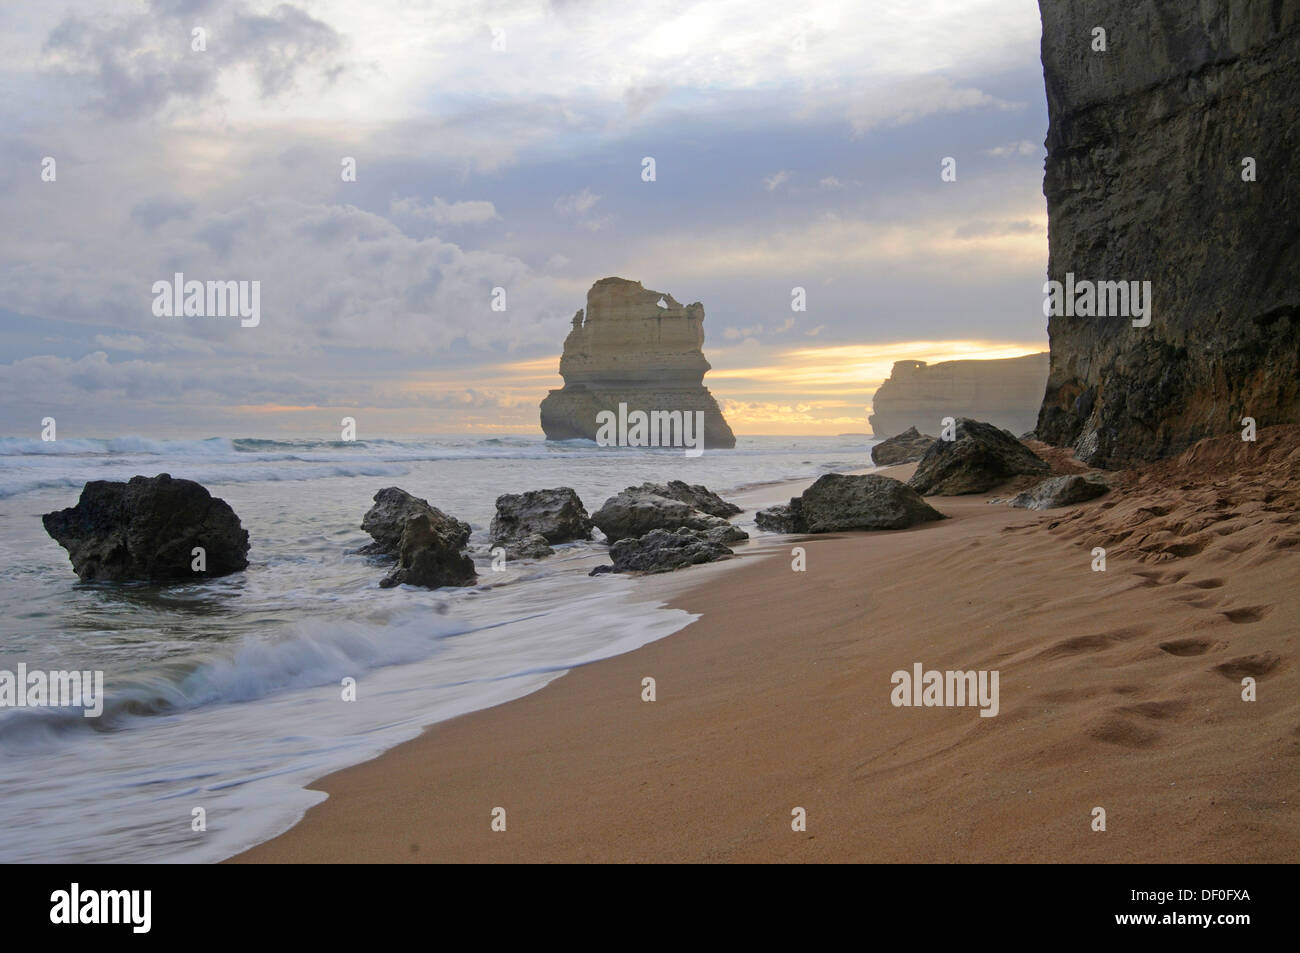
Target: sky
502,145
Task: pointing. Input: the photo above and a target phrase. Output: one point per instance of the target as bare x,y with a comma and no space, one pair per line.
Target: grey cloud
152,212
139,64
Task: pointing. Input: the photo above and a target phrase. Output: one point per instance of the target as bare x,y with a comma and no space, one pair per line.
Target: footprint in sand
1246,614
1156,710
1253,665
1117,730
1192,646
1080,644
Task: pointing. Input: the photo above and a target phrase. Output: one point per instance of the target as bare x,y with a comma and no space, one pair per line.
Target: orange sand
1118,689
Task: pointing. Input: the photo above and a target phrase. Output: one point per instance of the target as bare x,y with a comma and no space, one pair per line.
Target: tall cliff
1005,393
629,348
1146,151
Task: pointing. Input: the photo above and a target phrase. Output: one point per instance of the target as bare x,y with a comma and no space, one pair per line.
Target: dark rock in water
602,570
528,547
429,553
556,515
839,501
1060,491
700,497
147,529
981,457
636,511
906,447
776,519
664,550
387,519
1146,146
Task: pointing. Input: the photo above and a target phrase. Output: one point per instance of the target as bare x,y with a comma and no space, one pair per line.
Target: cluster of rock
427,543
907,447
979,458
1006,392
838,501
153,528
635,347
149,528
657,527
1153,151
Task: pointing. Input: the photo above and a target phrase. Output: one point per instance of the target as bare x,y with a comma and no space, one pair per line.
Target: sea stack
638,348
1171,160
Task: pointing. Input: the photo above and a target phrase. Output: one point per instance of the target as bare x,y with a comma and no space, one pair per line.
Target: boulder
1060,491
429,553
387,519
557,515
663,550
534,546
700,497
147,529
906,447
979,458
839,501
636,511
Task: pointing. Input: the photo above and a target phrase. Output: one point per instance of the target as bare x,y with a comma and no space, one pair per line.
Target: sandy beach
1120,689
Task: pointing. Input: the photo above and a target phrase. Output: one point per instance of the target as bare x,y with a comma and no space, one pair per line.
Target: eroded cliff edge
1144,181
637,347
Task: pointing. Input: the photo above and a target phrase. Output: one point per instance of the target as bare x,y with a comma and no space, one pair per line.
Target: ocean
226,695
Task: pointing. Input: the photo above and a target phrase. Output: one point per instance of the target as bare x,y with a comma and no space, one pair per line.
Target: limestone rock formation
1060,491
146,530
1007,393
838,501
980,458
1146,150
630,349
908,447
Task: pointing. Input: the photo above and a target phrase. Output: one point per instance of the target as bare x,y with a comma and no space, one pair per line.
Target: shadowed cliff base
1170,159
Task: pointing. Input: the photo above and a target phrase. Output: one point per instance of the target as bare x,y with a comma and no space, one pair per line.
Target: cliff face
1144,182
630,349
1005,393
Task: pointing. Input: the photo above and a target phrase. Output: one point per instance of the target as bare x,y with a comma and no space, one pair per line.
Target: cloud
579,207
776,179
992,229
152,212
441,212
137,64
1021,147
916,98
830,182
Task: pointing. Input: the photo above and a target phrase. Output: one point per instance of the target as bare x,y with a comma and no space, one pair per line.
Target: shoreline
1118,690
